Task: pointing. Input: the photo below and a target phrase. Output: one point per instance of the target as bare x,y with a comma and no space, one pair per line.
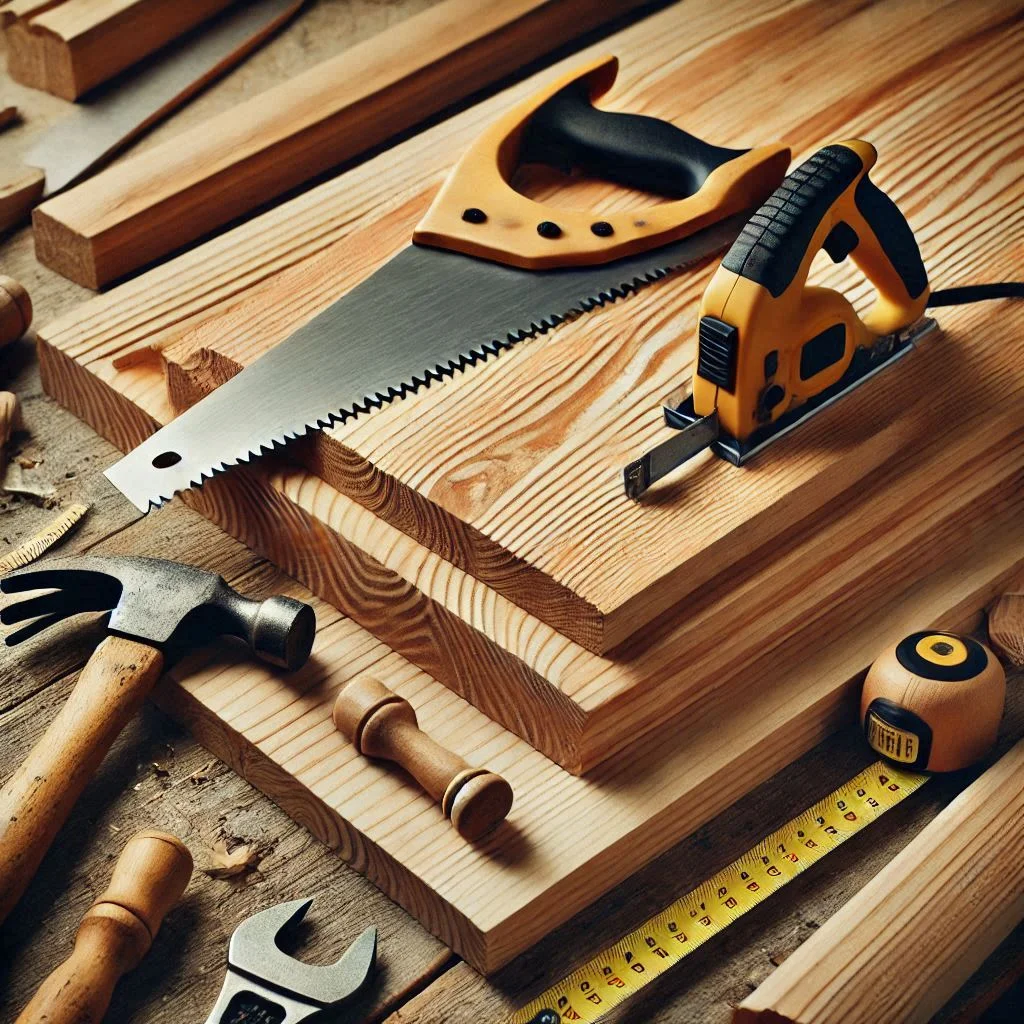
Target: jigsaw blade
422,317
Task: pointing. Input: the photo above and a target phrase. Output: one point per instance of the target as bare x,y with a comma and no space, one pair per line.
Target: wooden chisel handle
15,310
37,800
116,932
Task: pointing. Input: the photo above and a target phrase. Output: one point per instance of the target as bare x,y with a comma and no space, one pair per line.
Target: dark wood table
158,776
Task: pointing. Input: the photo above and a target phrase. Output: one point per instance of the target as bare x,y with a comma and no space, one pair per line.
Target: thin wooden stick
914,934
1006,628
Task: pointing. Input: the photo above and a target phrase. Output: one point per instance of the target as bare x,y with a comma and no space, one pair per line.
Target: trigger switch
840,242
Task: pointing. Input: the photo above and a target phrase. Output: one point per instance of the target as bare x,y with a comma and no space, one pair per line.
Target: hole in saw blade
166,459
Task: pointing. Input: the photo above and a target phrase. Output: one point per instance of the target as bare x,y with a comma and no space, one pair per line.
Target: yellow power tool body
773,350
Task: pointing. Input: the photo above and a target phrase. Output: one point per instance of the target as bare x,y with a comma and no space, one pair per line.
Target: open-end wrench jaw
265,984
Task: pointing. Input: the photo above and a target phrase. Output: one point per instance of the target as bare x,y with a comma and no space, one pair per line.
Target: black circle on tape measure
975,662
547,1017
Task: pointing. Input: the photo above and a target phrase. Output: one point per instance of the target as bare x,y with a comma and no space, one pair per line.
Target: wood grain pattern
767,561
914,934
68,48
36,800
493,900
278,732
512,470
160,200
575,706
730,729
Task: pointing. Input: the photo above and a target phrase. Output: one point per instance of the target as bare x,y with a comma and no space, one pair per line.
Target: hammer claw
60,603
29,631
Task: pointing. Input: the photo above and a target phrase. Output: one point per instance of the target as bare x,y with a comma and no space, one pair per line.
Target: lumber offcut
161,200
69,48
915,933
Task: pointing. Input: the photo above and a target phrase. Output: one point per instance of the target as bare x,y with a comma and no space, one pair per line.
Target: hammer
157,607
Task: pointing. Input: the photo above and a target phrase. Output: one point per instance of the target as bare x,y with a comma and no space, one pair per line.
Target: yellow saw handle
767,341
479,213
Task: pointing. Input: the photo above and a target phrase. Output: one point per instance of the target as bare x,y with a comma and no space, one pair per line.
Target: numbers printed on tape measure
621,970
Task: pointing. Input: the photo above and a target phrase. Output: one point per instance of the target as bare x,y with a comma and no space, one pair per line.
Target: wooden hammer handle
116,932
36,801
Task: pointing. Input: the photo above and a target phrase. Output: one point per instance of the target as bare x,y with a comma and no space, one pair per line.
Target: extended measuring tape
645,954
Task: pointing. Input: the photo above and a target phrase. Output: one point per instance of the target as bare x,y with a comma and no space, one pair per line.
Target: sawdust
226,860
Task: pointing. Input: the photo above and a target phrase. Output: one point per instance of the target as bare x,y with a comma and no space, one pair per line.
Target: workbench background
158,776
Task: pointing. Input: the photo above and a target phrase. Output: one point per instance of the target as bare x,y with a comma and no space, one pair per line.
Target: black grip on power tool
893,233
772,245
634,150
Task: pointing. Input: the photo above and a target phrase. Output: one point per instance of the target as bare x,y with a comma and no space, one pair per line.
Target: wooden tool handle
15,308
116,932
382,724
37,800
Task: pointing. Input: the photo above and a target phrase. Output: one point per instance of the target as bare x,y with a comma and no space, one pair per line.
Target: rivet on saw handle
382,724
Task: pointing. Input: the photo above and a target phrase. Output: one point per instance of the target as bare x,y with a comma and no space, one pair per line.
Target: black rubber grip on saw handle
568,132
771,247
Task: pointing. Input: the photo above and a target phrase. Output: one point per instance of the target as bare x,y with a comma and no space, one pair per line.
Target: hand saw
773,351
488,267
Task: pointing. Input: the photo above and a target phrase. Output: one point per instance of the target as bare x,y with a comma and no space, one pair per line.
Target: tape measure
645,954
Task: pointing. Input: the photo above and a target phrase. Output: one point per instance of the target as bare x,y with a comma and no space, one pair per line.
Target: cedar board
492,902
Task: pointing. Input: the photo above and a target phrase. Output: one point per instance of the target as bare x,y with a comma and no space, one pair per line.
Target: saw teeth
440,372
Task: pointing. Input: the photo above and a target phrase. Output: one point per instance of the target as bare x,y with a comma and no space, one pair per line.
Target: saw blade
423,316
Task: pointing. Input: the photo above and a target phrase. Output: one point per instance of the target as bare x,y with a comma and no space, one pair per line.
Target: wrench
264,985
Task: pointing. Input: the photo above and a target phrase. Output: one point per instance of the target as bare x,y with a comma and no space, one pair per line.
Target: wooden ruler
636,960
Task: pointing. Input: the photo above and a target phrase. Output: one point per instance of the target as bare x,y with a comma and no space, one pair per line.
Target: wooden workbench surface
158,776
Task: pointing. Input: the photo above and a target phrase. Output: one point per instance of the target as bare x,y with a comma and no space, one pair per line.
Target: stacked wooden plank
68,47
680,650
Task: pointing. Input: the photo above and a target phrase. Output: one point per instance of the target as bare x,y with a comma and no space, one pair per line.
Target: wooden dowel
382,724
914,934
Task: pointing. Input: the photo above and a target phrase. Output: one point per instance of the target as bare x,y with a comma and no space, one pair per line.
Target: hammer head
163,604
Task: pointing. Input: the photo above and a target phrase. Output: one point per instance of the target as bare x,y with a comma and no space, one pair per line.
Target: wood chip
35,546
225,863
1006,628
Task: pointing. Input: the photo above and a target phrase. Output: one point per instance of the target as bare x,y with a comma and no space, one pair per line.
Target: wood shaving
25,554
15,483
230,863
1006,628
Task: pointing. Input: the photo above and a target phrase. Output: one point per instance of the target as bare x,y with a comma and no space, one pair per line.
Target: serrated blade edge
387,338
